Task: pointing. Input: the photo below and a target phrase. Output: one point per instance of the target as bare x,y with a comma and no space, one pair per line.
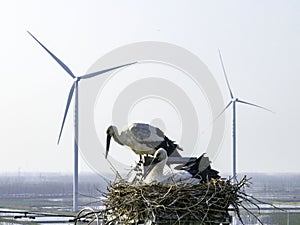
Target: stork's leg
146,160
141,160
139,164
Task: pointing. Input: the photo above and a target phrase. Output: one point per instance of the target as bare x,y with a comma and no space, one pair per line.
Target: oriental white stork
193,172
156,173
142,139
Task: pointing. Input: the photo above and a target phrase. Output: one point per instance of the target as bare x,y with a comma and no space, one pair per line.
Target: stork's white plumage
142,139
156,172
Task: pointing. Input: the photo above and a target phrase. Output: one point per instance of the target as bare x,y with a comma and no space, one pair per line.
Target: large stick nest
207,203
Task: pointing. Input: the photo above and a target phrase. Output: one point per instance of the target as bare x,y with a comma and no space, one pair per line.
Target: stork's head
160,157
110,132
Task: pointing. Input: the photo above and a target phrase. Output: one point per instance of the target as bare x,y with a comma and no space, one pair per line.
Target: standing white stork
142,139
156,173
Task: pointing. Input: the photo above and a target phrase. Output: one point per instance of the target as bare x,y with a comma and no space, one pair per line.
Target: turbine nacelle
76,78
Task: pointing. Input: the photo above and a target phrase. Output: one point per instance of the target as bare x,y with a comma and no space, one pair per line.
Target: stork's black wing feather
209,174
205,174
193,166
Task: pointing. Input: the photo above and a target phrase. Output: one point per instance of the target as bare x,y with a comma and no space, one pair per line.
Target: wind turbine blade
248,103
54,57
104,71
223,110
223,67
66,110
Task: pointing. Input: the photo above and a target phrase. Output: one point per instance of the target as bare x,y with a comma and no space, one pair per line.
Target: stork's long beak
151,166
107,145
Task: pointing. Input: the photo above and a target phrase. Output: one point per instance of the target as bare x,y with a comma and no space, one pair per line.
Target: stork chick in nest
193,172
156,173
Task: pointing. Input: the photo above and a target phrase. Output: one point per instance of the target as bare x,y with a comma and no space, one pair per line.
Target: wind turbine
233,102
74,88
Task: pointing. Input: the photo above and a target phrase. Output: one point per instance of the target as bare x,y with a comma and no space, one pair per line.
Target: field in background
53,193
48,191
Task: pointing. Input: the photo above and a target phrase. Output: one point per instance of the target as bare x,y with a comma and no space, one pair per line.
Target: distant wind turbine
233,101
74,88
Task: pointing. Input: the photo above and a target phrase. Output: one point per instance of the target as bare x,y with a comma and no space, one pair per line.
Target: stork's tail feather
170,147
209,174
179,148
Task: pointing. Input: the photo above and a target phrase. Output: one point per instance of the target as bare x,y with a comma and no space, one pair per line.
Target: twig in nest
208,203
131,203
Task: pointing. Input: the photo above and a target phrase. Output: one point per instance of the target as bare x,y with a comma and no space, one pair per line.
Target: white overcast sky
261,50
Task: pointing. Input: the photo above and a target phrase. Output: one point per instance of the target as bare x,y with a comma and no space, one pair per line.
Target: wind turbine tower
74,89
233,102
